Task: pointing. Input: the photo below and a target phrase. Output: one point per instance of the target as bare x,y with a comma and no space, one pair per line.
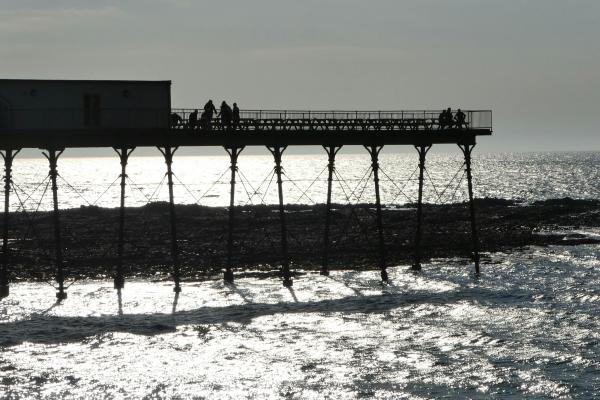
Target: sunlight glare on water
528,328
205,180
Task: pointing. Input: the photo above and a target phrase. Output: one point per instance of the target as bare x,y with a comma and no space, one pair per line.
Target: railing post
422,150
374,152
52,156
277,151
233,152
8,155
331,153
467,149
119,279
168,153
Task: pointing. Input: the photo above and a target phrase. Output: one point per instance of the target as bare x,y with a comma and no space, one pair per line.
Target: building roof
81,81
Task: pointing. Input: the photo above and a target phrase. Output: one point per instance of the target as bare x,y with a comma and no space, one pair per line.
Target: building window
91,110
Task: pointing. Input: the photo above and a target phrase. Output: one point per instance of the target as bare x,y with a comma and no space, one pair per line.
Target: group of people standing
448,120
230,116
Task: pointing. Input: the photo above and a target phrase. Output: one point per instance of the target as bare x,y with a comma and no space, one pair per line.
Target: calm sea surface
205,180
529,327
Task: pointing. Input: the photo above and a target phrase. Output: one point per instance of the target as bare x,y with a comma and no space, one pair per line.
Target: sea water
206,180
528,327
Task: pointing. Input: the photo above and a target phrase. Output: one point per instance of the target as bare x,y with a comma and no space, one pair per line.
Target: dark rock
90,236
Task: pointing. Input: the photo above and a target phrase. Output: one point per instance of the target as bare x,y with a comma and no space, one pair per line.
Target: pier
126,128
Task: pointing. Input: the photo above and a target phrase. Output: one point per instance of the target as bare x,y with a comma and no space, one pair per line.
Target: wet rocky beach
89,236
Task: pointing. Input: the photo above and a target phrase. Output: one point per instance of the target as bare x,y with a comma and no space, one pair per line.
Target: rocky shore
89,236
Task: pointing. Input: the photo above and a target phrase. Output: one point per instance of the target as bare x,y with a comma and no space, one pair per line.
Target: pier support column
168,153
277,151
124,153
331,153
374,152
8,155
233,152
422,150
467,149
52,156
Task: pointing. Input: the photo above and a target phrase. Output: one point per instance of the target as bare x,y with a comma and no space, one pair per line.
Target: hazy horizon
292,150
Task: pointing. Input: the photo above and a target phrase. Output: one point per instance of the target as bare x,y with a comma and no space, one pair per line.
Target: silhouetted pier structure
125,129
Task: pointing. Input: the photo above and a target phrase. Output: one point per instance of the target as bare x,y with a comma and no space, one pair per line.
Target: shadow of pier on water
43,328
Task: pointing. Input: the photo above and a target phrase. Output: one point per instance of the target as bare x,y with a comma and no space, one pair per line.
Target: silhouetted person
207,115
235,116
460,119
442,120
226,115
193,119
445,119
449,118
176,120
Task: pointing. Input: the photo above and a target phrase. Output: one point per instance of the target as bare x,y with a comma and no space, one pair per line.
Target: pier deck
259,128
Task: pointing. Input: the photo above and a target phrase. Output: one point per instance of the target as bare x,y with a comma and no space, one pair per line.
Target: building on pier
45,105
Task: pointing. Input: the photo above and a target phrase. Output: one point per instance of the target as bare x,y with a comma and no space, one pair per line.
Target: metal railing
249,120
308,120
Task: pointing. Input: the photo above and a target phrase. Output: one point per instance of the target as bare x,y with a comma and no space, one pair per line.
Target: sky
535,63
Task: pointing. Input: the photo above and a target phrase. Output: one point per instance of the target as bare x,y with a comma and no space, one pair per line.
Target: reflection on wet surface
527,328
